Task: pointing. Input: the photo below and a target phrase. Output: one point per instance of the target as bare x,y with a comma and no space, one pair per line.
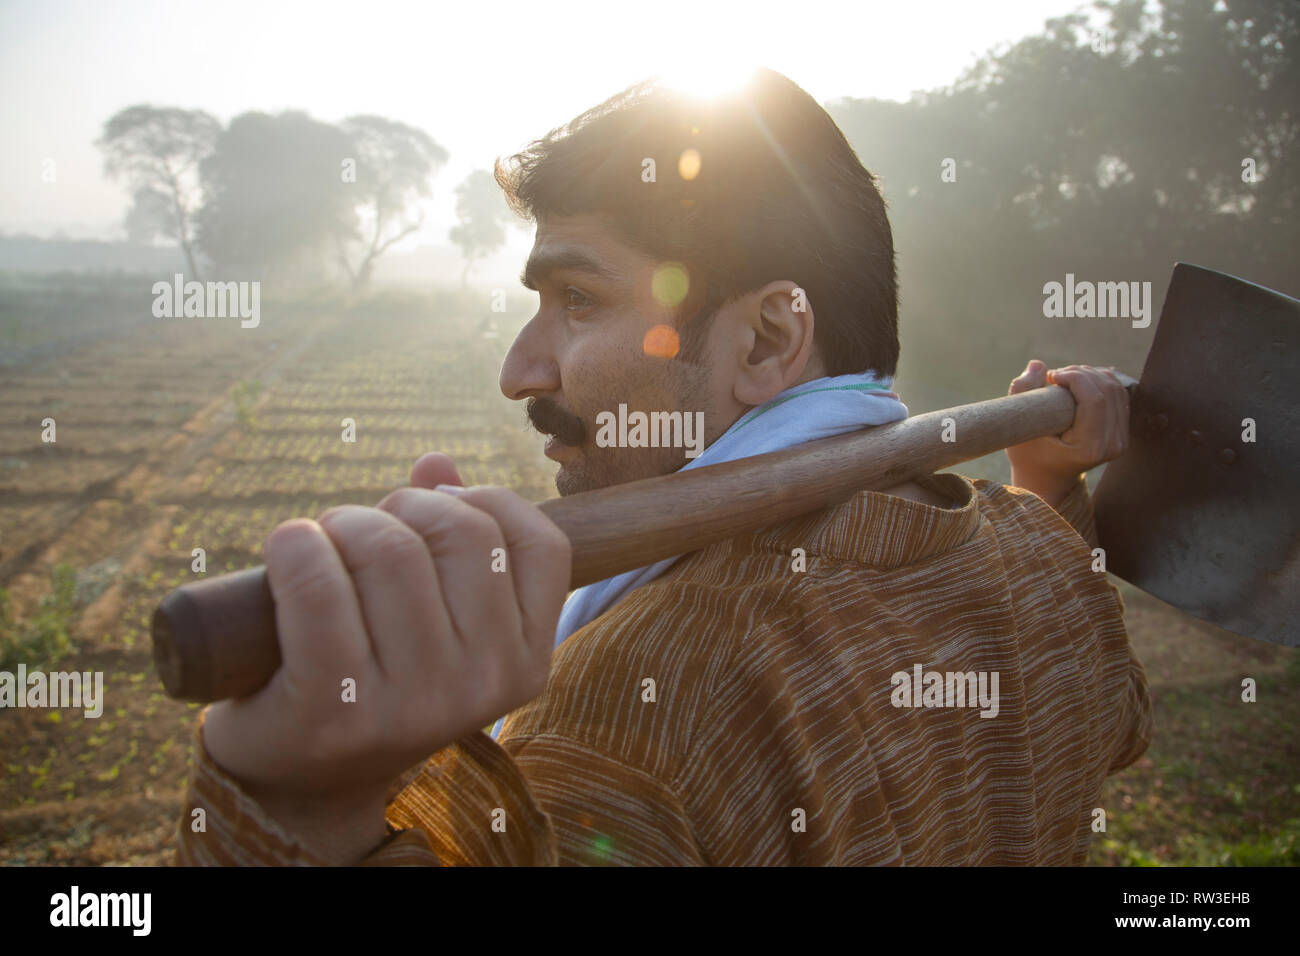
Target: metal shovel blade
1194,512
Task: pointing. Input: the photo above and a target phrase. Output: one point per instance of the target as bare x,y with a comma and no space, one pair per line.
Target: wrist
340,827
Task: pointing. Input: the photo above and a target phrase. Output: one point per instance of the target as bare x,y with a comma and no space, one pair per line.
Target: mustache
546,415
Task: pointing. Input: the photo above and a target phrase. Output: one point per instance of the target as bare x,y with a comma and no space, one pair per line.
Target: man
771,699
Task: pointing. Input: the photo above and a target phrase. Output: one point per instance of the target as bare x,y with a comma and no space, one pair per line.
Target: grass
45,638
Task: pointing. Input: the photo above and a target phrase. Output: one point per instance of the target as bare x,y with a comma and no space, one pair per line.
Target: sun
708,78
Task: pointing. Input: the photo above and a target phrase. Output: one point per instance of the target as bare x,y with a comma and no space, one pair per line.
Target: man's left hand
1050,466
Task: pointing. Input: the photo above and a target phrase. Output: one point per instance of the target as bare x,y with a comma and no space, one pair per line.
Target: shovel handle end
216,638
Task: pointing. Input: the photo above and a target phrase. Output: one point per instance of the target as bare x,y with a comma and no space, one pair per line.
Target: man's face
590,348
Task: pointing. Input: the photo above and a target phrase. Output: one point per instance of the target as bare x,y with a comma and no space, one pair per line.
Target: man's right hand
397,638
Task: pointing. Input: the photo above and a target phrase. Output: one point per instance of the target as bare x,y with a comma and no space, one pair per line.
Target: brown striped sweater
739,711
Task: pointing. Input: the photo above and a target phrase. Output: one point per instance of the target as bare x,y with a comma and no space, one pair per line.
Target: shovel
1202,510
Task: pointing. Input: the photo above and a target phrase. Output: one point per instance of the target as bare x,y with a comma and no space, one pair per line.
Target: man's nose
530,367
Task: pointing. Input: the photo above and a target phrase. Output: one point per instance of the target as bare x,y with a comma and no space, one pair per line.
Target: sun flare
709,78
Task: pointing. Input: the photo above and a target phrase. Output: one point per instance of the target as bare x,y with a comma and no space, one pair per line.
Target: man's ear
774,327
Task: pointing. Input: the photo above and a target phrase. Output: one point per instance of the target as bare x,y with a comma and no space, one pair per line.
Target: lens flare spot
661,342
670,284
602,847
688,166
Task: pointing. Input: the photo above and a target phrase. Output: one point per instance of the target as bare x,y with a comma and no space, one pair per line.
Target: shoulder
635,683
1047,561
1010,507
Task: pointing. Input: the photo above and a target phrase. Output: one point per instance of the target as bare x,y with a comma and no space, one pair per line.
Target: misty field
177,434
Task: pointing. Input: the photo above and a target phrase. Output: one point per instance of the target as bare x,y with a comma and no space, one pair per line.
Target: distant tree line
277,196
1108,148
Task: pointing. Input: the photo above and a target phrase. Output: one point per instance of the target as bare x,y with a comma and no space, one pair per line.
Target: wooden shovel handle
217,638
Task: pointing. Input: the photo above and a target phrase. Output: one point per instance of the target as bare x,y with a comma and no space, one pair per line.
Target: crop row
104,439
376,478
60,476
341,387
242,480
427,421
179,388
104,406
20,525
297,447
218,527
69,418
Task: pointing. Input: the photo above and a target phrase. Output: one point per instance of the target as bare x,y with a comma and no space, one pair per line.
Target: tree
275,200
1107,148
151,215
158,151
393,165
483,216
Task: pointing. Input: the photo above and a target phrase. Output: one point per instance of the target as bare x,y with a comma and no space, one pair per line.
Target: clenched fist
397,637
1050,466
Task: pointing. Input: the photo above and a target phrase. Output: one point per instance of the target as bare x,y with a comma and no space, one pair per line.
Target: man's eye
574,299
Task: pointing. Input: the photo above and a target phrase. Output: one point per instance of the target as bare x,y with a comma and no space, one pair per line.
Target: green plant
1280,849
44,639
245,394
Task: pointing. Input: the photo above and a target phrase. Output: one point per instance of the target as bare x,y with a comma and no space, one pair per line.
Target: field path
112,530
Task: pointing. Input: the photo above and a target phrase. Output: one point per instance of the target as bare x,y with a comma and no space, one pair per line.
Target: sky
483,78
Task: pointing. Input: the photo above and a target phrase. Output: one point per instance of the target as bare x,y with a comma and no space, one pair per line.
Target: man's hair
779,194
